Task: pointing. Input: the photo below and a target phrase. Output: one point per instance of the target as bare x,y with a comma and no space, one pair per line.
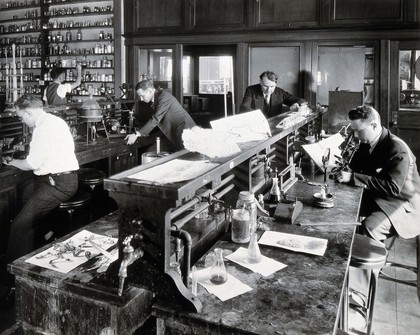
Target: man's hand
294,107
345,177
131,138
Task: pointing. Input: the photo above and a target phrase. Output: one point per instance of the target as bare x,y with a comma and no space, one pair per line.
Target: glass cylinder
218,274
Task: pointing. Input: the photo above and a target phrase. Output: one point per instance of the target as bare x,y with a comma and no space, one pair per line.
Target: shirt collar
40,118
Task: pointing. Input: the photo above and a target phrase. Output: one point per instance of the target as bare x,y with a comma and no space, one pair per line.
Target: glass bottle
275,196
218,274
79,35
254,254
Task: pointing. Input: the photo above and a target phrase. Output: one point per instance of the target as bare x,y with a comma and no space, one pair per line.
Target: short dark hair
365,113
144,84
270,76
56,72
28,101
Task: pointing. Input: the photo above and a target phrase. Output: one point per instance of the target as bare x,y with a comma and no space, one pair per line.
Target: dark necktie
266,105
364,149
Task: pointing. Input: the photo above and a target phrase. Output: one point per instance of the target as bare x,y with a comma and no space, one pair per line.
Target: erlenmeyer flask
254,254
218,274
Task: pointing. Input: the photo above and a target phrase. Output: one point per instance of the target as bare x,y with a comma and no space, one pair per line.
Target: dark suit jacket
170,117
254,99
391,179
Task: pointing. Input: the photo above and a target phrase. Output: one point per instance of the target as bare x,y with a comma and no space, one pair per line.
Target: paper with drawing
69,254
299,243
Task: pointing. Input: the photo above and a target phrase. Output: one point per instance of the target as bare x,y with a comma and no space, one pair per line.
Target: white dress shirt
52,147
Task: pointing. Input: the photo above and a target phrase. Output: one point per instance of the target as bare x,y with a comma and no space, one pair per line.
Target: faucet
130,255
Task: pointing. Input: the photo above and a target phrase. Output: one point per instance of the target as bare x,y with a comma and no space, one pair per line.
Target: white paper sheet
247,127
69,254
174,171
299,243
266,267
228,290
209,142
317,150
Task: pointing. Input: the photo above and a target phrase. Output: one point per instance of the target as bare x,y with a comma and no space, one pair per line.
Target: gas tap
130,255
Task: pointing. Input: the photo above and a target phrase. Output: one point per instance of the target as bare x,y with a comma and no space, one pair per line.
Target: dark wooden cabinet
286,13
123,161
219,14
367,11
155,15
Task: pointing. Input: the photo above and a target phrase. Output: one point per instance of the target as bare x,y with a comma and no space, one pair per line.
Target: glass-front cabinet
405,93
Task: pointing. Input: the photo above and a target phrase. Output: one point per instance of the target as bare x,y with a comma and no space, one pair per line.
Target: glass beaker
218,274
241,218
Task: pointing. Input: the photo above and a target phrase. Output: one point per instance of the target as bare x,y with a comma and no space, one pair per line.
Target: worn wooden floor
397,307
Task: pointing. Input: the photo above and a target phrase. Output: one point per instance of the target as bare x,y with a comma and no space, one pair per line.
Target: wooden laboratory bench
303,298
50,302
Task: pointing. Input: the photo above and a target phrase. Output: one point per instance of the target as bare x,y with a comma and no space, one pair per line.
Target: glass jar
247,200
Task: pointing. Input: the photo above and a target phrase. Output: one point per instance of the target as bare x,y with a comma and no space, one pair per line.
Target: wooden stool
92,179
370,255
79,200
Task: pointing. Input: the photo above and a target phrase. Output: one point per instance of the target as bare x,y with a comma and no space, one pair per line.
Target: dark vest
52,96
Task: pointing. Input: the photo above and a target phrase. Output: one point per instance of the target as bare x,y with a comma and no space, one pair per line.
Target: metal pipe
186,239
196,200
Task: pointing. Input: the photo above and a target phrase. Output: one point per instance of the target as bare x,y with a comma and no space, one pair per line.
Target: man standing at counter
54,164
55,93
267,97
385,166
169,115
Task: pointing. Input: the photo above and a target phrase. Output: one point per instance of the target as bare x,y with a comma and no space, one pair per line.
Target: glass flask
254,254
275,196
218,274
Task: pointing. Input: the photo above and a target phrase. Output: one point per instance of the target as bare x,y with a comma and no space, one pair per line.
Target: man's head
28,108
268,82
365,122
145,90
58,74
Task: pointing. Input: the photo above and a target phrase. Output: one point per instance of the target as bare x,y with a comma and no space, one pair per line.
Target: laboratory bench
303,298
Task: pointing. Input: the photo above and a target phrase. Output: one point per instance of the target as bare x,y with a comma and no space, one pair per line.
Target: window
215,74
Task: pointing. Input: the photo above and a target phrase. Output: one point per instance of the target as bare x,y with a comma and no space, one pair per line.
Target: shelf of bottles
79,32
20,48
50,33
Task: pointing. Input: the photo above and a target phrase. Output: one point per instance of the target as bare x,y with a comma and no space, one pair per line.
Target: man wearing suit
169,115
385,166
267,97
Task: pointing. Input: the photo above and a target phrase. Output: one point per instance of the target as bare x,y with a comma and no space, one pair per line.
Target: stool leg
344,313
371,301
71,212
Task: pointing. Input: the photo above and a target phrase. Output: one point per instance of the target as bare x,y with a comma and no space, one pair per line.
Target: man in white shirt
53,161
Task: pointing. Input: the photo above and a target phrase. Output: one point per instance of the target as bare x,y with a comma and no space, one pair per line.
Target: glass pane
283,60
215,74
157,64
187,75
410,78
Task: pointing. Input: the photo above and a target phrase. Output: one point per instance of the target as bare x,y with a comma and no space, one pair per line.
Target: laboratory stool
370,255
410,280
93,179
78,201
